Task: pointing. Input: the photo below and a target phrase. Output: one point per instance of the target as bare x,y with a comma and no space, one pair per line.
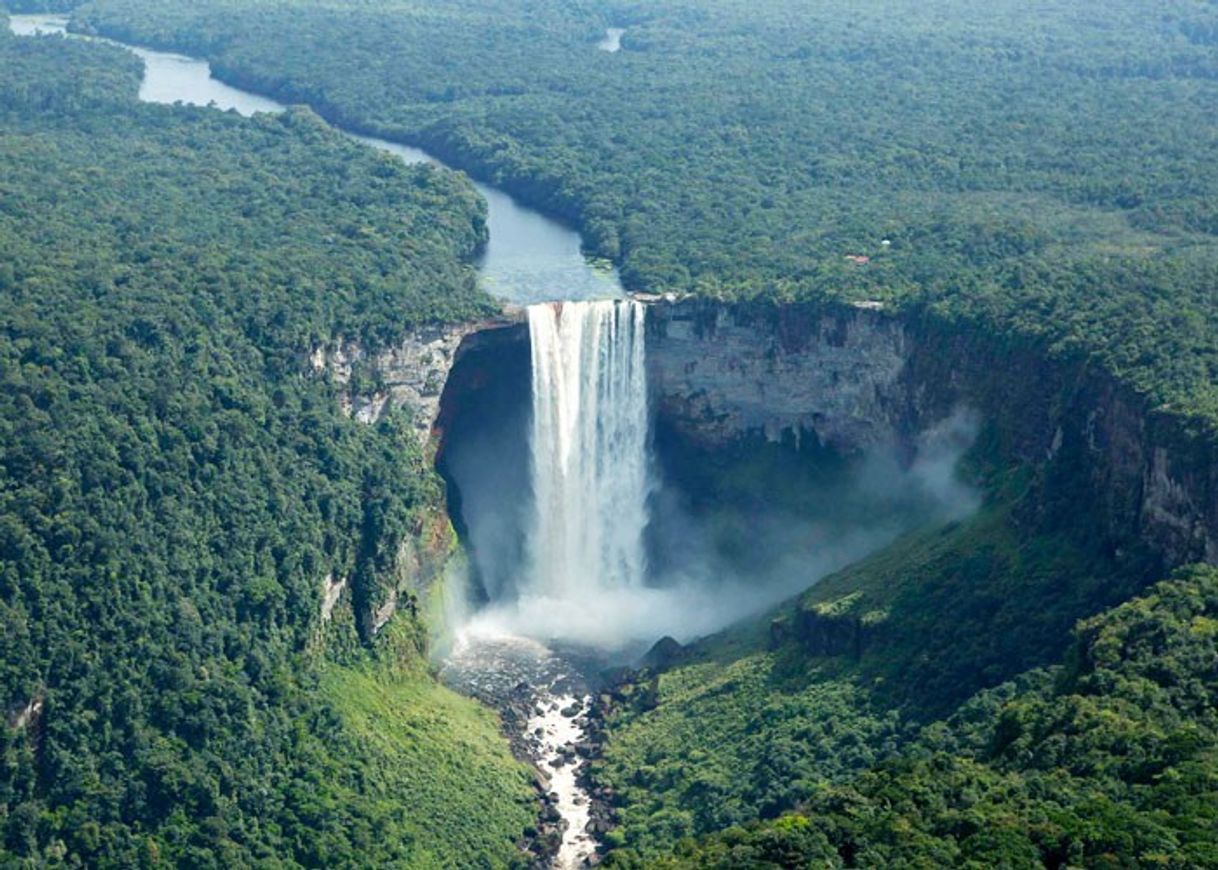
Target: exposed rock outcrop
856,376
410,374
850,377
419,560
839,628
663,654
331,590
721,372
26,717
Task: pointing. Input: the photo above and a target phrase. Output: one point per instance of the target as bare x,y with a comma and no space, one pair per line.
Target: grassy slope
435,761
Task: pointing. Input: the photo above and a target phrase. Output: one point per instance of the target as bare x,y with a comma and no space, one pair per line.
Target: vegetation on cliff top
174,489
1045,170
1038,170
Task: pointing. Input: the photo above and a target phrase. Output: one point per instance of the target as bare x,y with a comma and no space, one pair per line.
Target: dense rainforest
1107,759
1045,170
1043,173
935,704
174,490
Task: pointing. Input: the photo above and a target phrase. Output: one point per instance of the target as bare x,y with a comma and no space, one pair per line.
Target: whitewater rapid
544,697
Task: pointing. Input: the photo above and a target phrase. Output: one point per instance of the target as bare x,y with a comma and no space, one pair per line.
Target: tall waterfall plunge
589,449
584,535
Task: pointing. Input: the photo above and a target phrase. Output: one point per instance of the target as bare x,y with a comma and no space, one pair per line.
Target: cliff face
411,374
418,562
419,558
720,373
850,378
854,377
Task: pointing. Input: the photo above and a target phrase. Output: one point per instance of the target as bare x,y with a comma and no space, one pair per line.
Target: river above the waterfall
529,257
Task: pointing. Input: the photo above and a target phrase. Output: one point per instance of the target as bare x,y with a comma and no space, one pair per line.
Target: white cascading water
590,470
589,449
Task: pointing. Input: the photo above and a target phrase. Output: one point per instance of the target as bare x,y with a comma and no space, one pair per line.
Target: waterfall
589,451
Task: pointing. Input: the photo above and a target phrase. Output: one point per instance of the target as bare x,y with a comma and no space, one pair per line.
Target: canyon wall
720,373
847,378
411,374
852,377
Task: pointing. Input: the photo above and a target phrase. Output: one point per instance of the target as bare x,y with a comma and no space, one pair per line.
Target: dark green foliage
1042,169
175,484
1045,173
947,611
1108,760
725,742
757,721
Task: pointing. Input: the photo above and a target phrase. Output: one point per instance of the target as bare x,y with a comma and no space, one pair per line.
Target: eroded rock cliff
720,373
856,376
409,375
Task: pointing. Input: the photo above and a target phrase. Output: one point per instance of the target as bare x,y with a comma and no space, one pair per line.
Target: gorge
627,473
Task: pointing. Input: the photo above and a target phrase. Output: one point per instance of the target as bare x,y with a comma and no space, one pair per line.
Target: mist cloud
699,589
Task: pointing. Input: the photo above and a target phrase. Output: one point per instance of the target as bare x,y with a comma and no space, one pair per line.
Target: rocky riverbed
552,717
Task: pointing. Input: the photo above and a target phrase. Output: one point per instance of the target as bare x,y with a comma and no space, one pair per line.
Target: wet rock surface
553,718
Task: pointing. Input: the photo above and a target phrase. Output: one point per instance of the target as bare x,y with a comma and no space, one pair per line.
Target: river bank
529,257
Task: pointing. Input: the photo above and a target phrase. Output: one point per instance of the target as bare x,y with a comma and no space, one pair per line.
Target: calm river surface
530,258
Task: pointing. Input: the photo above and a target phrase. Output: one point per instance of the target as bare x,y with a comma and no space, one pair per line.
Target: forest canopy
1105,759
1044,170
174,490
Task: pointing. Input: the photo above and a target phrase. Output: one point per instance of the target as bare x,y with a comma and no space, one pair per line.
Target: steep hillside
178,491
757,721
1109,758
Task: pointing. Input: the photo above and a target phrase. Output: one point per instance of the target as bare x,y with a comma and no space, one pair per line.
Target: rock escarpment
411,374
720,373
852,377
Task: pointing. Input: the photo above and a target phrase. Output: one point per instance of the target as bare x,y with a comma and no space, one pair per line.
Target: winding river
529,258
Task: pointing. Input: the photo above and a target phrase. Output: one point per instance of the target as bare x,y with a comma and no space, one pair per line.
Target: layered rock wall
720,373
853,377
